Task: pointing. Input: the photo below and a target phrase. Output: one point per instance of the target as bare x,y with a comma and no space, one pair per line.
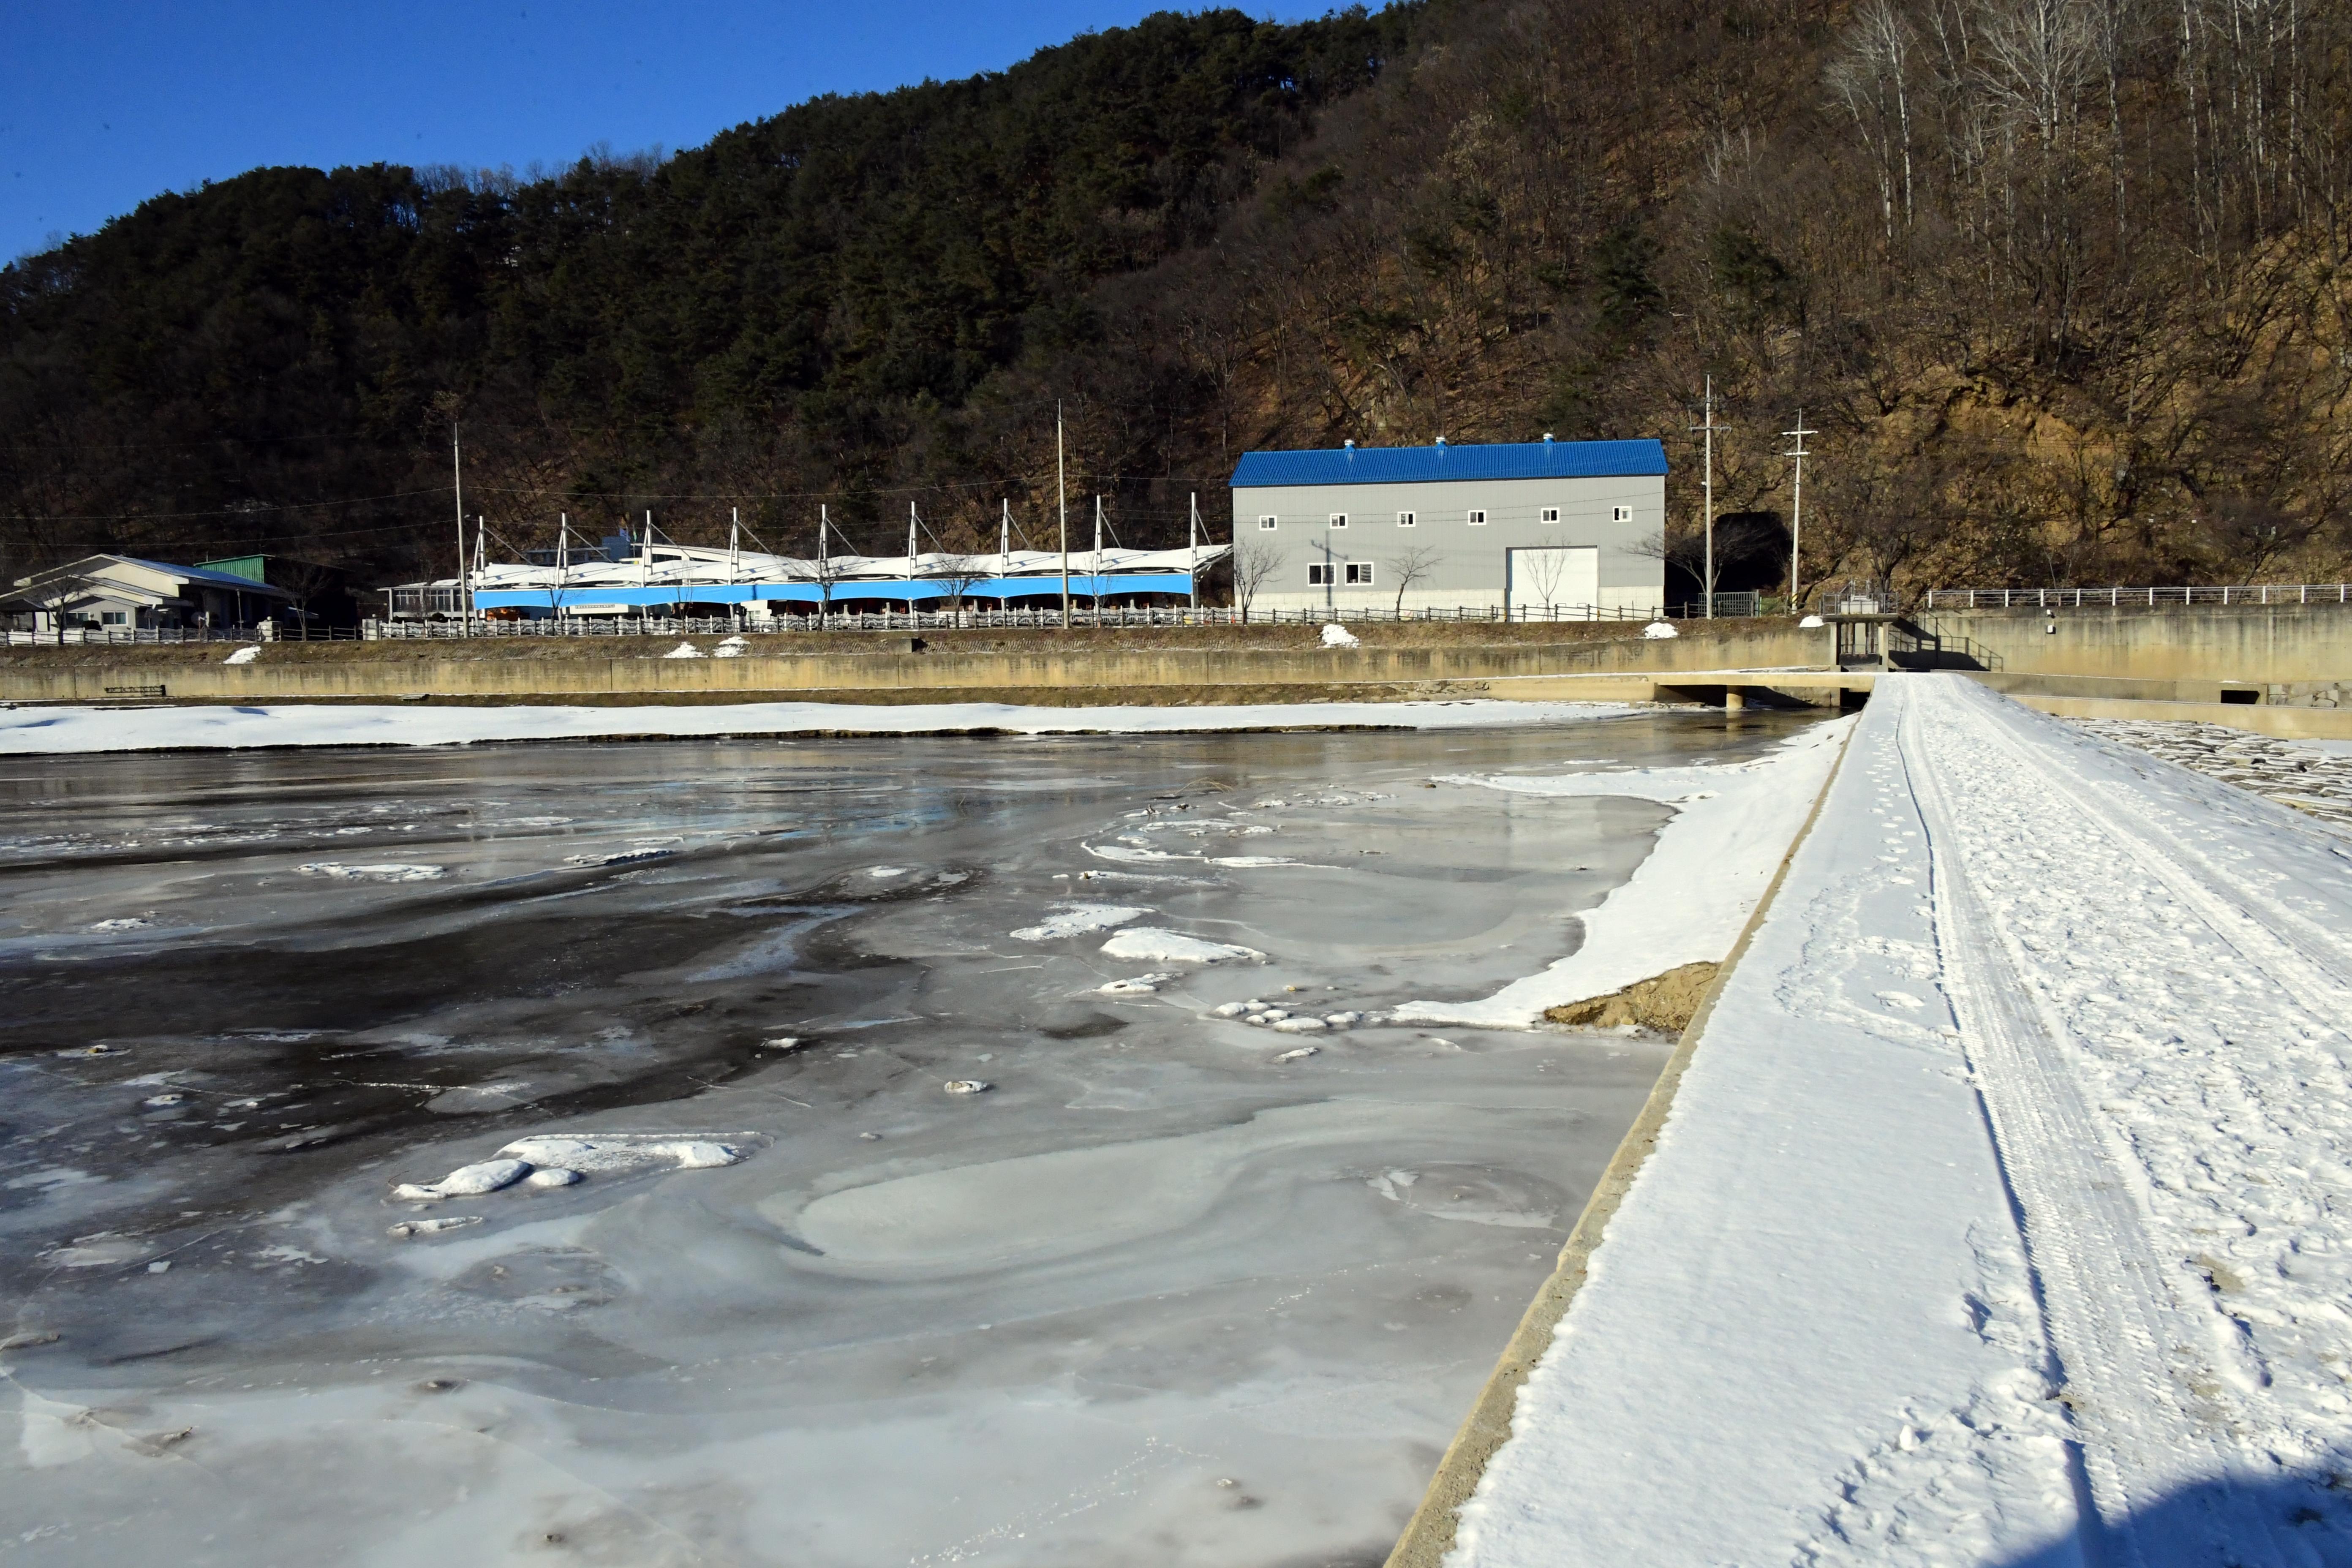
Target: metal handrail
2250,594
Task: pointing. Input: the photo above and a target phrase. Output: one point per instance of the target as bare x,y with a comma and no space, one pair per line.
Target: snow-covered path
2005,1211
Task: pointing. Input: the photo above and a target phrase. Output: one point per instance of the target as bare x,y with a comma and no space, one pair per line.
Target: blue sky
105,103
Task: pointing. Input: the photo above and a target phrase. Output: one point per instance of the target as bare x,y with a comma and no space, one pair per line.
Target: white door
1548,581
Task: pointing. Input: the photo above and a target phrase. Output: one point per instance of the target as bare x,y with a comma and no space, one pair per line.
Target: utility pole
823,570
1061,502
1706,489
1797,513
1193,556
457,482
1096,565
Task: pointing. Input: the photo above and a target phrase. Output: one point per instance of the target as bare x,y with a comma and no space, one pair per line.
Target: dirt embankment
1664,1002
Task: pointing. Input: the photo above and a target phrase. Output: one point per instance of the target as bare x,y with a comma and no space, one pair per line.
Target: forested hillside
2060,282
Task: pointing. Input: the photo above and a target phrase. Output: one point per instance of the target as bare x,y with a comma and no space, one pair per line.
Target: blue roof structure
1419,465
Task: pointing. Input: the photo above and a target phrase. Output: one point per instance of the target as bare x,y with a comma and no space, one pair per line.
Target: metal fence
2127,598
151,637
985,620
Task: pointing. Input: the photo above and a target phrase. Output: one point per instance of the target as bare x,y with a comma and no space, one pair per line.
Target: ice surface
685,1356
1733,823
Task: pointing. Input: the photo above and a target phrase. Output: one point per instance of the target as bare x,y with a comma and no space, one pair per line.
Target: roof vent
1441,440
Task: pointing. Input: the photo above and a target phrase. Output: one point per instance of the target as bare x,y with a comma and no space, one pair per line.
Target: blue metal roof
1415,464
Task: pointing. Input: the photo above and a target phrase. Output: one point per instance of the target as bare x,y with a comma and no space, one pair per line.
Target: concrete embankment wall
2211,646
347,672
2278,655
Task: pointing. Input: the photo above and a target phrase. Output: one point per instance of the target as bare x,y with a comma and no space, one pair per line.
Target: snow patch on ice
619,1152
1078,920
1133,857
81,731
1149,944
465,1182
97,1252
408,1228
1141,985
122,922
387,871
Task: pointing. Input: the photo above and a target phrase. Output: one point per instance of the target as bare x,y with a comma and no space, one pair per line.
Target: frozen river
1172,1288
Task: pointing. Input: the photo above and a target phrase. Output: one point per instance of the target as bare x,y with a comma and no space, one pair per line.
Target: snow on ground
77,730
2002,1214
1732,826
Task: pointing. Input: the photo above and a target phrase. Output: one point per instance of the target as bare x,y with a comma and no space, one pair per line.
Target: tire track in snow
2147,1403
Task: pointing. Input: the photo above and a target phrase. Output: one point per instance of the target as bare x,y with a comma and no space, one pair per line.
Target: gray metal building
1546,528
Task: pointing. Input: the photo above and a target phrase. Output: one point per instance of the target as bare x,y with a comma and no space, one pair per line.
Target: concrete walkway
2004,1211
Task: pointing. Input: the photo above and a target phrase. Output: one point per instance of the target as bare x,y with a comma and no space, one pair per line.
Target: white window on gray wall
1265,522
1339,520
1548,514
1621,514
1478,517
1406,520
1319,574
1360,573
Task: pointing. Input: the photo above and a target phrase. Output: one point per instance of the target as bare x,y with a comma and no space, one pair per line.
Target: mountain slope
2059,282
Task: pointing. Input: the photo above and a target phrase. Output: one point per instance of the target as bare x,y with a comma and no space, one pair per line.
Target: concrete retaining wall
2208,644
291,673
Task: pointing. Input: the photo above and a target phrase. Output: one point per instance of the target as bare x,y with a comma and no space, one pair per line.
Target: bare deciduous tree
1412,564
1254,567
